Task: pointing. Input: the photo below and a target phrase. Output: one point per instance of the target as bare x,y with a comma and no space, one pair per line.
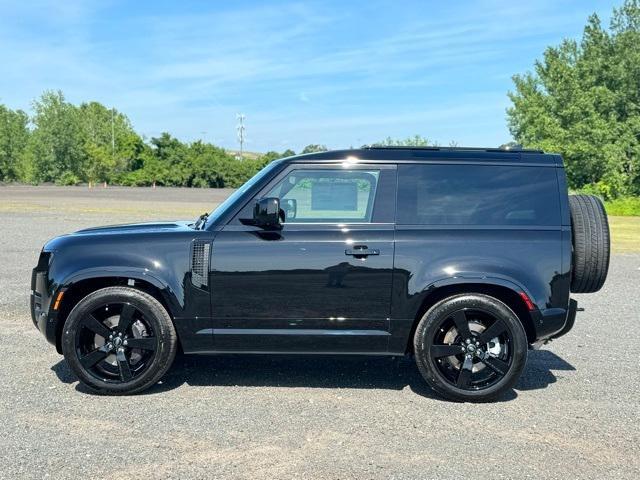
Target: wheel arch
78,288
506,292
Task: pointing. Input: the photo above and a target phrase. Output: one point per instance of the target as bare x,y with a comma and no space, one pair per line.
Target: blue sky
336,73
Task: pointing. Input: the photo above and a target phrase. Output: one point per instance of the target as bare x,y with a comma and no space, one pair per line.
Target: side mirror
266,214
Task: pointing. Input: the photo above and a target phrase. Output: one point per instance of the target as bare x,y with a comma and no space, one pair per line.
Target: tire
591,243
494,367
119,340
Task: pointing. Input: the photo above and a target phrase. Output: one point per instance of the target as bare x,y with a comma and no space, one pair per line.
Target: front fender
161,260
171,290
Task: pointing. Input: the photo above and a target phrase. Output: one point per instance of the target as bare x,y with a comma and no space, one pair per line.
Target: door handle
361,251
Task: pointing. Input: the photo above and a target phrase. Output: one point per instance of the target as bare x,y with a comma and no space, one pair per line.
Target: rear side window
477,195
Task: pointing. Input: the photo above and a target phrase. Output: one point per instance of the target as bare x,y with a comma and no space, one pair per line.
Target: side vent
200,264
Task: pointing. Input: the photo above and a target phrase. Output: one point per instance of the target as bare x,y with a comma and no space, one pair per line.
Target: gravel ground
574,414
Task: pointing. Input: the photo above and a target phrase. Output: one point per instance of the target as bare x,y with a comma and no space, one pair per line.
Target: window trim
235,220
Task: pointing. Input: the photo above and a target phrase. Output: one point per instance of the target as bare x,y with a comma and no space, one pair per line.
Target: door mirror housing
266,214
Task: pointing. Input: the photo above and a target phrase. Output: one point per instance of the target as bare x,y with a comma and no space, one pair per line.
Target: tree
14,135
270,156
583,101
55,149
111,145
314,148
415,141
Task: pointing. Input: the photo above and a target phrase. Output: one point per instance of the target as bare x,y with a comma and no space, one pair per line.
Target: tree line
90,143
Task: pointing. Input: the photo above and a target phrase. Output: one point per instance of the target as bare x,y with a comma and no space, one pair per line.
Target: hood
131,228
126,232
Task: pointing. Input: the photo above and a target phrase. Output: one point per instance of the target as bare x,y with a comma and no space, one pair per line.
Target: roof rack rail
453,149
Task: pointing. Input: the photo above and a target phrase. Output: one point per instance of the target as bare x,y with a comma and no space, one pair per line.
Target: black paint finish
302,278
318,288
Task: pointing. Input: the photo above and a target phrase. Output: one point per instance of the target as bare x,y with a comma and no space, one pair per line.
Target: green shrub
623,206
68,178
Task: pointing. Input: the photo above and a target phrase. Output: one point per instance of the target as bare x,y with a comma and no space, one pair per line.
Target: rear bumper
571,319
554,322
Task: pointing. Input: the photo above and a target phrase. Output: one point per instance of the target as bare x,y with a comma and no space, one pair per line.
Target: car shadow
539,372
320,372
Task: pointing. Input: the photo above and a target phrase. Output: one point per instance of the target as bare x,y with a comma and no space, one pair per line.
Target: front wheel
119,340
470,348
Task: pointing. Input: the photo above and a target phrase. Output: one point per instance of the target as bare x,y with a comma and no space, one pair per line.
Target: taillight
527,301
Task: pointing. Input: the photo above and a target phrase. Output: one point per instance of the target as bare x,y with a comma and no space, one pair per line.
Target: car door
320,284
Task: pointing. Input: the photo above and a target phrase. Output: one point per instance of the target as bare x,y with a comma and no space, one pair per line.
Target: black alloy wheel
115,342
470,347
119,340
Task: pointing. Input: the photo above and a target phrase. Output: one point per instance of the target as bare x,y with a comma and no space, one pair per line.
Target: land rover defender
462,258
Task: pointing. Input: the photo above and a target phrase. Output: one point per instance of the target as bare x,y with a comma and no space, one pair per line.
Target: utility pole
241,129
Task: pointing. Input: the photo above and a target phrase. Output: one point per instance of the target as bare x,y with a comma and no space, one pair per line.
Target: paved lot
574,414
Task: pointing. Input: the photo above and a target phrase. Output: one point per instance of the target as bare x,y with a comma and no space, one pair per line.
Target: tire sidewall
426,331
152,311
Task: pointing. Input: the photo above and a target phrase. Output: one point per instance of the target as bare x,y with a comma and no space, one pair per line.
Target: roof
435,154
453,149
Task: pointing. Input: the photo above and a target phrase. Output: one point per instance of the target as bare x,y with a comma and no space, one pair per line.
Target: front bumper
43,316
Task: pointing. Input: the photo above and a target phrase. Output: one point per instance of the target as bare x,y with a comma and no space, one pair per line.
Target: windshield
220,209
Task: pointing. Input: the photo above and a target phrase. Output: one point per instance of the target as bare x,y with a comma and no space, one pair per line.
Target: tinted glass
477,195
327,195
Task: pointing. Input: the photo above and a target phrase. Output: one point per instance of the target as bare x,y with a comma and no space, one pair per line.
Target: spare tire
591,247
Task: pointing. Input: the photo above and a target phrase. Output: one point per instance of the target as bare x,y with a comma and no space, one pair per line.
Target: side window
477,195
327,195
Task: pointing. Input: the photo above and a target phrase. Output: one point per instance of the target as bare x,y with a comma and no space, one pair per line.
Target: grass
625,206
625,234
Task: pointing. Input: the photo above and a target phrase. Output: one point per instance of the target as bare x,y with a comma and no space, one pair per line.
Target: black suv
463,258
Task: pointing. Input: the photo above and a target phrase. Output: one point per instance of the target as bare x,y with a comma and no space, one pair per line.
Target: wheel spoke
126,317
90,359
496,365
143,343
123,365
464,376
493,331
96,326
462,324
438,351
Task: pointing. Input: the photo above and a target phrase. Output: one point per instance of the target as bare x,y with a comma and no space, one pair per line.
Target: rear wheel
119,340
470,347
